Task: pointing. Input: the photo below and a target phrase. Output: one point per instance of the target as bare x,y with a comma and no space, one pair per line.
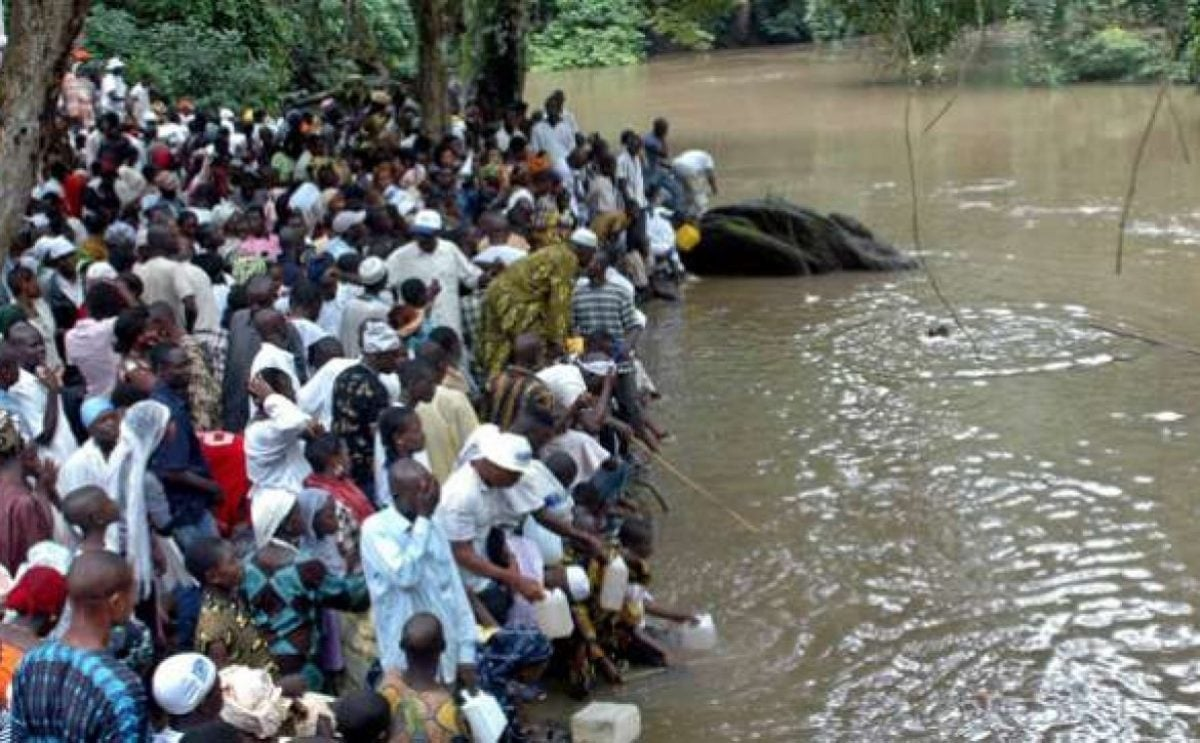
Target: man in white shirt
630,172
479,496
374,303
206,318
275,437
113,88
274,352
555,136
89,464
409,568
432,259
698,172
37,395
315,398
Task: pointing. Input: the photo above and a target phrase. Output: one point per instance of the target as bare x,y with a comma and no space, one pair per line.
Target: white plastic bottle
484,716
554,615
616,581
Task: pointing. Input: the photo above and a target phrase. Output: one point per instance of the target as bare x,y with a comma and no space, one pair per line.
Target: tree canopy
251,51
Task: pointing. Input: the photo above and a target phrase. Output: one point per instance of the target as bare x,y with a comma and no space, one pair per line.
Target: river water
992,538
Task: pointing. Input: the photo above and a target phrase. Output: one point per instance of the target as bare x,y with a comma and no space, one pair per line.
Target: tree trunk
503,68
742,20
35,61
432,80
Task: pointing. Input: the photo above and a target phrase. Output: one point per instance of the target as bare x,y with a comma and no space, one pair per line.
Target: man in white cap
480,496
113,88
437,262
374,303
186,687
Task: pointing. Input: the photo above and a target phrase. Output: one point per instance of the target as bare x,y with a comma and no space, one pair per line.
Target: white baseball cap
182,682
508,451
114,64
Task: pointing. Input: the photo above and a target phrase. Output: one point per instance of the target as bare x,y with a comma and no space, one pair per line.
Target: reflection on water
983,537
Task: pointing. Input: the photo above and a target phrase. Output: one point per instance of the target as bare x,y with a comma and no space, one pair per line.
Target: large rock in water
777,238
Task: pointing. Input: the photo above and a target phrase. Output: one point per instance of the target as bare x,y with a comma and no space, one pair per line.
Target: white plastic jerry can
548,543
554,615
484,716
616,581
699,637
578,583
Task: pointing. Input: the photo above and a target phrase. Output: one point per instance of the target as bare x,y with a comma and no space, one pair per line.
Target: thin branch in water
1179,135
915,205
1137,166
962,70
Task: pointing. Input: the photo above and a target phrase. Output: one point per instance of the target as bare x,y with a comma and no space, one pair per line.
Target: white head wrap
142,431
379,337
253,703
268,511
598,367
565,382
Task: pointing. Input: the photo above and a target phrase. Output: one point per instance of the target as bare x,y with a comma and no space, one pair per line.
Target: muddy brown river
998,543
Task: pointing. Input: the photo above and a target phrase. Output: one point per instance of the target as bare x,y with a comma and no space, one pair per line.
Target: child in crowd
225,632
422,708
411,317
632,639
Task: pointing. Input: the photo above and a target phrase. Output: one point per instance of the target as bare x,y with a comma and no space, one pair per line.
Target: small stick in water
1137,166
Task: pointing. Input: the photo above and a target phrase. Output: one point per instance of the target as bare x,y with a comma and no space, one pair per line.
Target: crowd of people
303,419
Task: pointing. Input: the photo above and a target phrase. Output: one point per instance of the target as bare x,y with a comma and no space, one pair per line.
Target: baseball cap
508,451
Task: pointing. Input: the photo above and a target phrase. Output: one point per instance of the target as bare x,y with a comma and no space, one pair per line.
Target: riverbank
947,557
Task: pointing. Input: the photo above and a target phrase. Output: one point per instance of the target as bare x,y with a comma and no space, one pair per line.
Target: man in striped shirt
73,691
601,306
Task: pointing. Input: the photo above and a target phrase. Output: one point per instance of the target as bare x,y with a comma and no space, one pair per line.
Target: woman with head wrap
287,585
36,603
136,491
26,516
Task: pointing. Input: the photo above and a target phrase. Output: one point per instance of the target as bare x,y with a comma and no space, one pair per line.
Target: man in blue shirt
73,691
178,461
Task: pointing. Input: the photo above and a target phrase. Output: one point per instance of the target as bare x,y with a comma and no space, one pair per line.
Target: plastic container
548,543
699,637
554,615
484,716
578,584
616,581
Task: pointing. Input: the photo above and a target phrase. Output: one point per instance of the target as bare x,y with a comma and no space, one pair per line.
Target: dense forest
252,50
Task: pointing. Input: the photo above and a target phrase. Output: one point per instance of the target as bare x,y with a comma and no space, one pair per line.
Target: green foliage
589,33
688,24
187,58
1114,54
252,51
790,21
1094,40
